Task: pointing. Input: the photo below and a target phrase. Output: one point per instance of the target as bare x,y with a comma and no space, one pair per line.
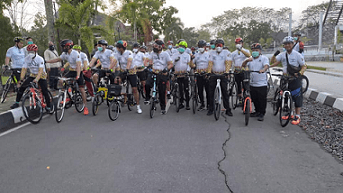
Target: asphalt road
177,152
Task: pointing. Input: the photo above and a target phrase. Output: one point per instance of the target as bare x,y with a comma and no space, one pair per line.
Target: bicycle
102,92
140,87
194,92
7,86
153,100
282,101
217,96
114,109
68,96
233,90
129,96
175,90
304,80
34,102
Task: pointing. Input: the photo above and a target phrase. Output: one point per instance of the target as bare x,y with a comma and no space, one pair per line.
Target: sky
189,9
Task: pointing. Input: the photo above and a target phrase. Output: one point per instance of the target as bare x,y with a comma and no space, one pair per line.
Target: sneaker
187,107
181,106
210,113
163,112
85,111
147,102
168,96
296,120
228,113
139,110
260,117
255,114
202,107
286,117
15,105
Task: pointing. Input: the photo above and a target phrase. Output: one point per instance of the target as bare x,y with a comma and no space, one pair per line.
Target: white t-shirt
160,61
123,58
238,57
172,51
295,59
17,56
218,60
84,58
258,79
72,58
138,59
201,60
34,64
188,51
104,57
182,64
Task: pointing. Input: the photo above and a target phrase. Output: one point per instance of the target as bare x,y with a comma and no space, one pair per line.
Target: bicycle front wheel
286,110
6,89
79,105
194,99
304,83
276,102
114,110
152,108
247,111
32,108
217,105
60,107
52,106
233,96
96,103
176,98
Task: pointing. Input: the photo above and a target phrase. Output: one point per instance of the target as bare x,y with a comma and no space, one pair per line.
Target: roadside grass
316,68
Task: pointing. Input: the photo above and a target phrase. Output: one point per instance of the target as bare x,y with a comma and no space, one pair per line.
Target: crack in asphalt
223,148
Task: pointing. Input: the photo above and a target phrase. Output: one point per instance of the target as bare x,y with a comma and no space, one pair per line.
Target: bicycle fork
219,93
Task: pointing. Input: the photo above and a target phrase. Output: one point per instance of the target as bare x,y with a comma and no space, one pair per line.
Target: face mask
32,54
207,49
295,38
201,50
30,42
65,50
135,50
156,50
213,46
170,46
284,49
51,47
182,50
100,49
255,54
219,49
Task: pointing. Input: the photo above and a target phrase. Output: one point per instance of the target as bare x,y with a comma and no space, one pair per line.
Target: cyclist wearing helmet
181,64
201,60
208,46
212,44
161,63
75,69
125,58
35,63
138,62
237,57
17,55
108,62
219,64
299,45
294,65
171,50
258,81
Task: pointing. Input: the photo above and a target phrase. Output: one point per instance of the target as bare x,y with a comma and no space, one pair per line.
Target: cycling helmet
143,47
208,44
67,42
256,46
212,42
77,47
183,43
238,40
32,47
159,42
136,45
170,42
225,47
202,43
288,39
220,41
180,40
18,39
103,42
121,44
110,47
192,48
297,34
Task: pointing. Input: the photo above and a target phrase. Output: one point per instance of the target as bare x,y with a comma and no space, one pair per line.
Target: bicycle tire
194,99
52,106
114,110
304,83
152,108
129,102
96,103
233,96
35,114
247,111
6,89
78,101
286,110
276,102
177,97
70,102
141,90
217,105
60,107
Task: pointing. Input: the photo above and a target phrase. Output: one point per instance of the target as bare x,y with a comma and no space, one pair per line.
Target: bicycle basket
114,90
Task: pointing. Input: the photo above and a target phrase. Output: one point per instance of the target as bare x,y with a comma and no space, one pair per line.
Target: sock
168,92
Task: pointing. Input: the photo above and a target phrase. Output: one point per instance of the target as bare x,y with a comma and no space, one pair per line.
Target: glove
62,69
239,47
277,53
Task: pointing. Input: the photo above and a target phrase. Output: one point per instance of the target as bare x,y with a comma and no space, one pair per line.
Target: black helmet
136,45
220,41
103,42
212,42
66,42
202,43
159,42
144,47
180,40
225,47
297,34
18,39
256,46
110,47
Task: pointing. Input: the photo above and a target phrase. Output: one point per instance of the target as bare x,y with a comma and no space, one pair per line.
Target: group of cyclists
119,64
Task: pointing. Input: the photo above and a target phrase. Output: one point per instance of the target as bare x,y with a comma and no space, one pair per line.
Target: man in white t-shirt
53,68
16,54
171,50
258,80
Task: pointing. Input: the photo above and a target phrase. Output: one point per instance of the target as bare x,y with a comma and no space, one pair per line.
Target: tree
7,34
39,33
191,36
174,31
204,34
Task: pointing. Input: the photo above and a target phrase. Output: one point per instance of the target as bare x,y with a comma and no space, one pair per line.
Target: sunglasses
219,45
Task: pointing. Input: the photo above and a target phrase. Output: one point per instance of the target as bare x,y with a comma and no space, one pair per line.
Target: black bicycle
11,80
114,109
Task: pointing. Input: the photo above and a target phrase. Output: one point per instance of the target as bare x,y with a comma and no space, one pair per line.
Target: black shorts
72,74
131,78
295,86
103,74
142,75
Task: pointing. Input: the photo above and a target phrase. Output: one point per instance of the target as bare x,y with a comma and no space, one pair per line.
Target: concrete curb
325,98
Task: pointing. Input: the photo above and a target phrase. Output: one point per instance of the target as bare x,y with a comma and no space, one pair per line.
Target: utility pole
320,30
290,24
50,19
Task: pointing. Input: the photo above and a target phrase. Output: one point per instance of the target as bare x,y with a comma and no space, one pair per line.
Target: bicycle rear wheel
32,108
176,98
6,89
96,103
247,111
276,102
217,105
286,110
60,107
152,108
304,82
79,105
114,110
233,96
194,99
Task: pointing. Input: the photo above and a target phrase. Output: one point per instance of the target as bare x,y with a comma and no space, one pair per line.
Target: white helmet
288,39
208,44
